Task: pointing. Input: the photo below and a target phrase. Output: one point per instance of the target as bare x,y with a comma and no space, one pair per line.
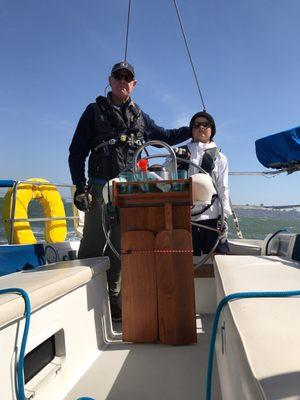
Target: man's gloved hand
82,198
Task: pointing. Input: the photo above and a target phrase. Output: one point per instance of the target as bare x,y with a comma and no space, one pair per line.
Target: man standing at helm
108,133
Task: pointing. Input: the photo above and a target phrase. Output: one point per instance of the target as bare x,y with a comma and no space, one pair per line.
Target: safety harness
128,131
118,133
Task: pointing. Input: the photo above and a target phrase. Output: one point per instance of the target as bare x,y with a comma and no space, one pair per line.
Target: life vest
110,123
51,202
208,159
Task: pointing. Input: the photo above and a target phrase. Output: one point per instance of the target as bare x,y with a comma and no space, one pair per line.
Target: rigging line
127,30
189,53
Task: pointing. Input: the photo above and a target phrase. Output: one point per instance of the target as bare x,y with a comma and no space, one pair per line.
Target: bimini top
281,150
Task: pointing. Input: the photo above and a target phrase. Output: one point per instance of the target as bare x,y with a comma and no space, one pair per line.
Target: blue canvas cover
19,257
280,150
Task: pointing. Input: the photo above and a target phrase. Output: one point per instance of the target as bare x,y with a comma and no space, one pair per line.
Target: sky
56,57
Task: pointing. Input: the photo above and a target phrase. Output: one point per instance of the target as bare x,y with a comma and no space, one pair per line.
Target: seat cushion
46,284
265,331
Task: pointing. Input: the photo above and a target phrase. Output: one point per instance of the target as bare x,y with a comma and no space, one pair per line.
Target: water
255,223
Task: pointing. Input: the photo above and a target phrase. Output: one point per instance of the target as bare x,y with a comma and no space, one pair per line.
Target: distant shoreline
262,207
292,207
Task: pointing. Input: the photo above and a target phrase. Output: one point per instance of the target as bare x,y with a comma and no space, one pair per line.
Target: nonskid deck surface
126,371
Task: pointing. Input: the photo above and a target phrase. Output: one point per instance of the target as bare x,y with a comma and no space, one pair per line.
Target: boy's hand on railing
82,198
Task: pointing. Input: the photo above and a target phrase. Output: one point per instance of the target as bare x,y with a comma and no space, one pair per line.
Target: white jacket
219,176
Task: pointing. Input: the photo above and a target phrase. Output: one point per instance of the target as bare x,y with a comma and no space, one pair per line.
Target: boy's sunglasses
119,77
205,124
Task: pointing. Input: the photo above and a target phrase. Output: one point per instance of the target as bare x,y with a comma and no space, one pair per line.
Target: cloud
102,42
167,98
55,122
182,119
231,131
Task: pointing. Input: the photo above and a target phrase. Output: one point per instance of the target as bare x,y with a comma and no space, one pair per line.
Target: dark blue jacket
99,124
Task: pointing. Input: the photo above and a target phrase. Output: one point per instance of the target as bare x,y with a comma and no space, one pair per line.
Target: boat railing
15,185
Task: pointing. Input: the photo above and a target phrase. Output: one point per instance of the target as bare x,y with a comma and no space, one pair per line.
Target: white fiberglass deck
126,371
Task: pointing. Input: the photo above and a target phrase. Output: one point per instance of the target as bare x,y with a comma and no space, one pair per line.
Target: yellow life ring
51,202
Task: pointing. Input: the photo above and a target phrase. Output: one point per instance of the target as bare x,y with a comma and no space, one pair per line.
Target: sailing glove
82,198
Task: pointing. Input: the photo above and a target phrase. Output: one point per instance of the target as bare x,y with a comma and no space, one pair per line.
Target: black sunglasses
119,77
205,124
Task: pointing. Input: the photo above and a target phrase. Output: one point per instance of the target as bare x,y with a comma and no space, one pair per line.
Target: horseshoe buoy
51,202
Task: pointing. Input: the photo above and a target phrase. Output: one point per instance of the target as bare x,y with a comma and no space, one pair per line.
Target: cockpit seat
257,346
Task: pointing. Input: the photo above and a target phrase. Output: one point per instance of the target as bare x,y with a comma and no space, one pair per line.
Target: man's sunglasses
119,77
205,124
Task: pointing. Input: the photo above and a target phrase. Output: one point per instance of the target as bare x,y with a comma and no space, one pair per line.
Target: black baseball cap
123,65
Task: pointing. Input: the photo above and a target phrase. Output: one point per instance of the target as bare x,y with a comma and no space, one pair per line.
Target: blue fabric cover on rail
280,150
7,183
20,257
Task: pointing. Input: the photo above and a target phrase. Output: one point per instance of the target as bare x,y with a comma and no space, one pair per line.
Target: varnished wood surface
139,288
169,277
151,196
175,288
153,218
